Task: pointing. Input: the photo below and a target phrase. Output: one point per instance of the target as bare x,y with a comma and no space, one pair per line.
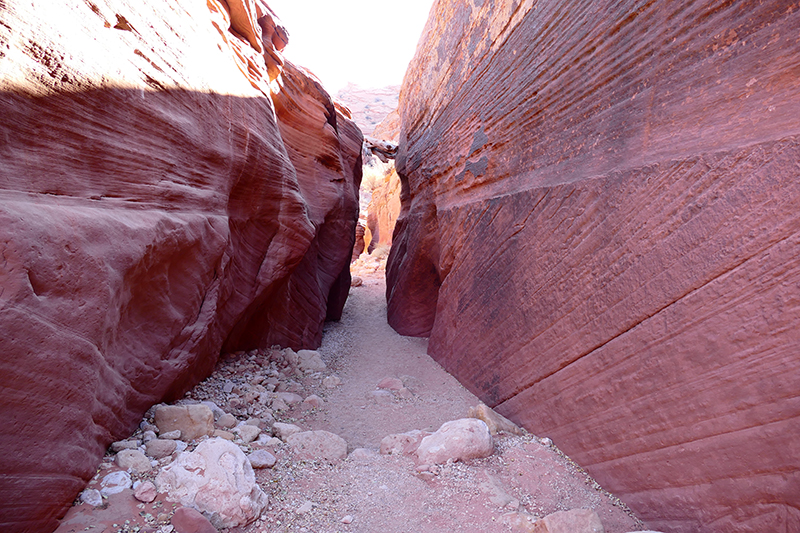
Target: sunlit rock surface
600,235
167,186
384,196
369,106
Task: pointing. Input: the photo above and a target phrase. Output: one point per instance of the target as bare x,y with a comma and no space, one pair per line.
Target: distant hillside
369,106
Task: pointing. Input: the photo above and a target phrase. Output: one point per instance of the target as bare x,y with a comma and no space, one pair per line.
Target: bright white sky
369,43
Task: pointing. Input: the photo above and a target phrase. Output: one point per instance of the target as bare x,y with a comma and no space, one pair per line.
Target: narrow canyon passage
362,349
376,385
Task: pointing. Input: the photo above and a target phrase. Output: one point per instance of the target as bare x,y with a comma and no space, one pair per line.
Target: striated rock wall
384,197
167,186
599,233
383,209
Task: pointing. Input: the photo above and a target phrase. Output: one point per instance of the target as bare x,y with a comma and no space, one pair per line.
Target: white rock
92,497
171,435
217,480
134,460
149,435
321,445
310,361
284,431
457,440
347,519
115,482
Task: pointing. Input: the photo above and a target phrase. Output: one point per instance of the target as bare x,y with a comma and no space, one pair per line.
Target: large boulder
457,440
217,480
599,235
158,202
318,445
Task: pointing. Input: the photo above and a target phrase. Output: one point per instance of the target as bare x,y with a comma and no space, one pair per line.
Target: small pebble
347,519
305,508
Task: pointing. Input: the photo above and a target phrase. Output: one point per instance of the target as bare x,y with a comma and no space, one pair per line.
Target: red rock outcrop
599,233
167,186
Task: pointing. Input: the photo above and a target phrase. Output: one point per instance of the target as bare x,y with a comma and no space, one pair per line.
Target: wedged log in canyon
169,185
599,233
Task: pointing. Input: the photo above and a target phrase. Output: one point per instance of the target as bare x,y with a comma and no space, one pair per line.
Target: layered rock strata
599,234
168,185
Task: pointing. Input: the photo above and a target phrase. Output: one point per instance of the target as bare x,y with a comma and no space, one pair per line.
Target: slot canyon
580,222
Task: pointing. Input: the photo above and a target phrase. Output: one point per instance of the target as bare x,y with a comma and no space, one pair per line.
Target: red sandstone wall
600,235
157,200
383,210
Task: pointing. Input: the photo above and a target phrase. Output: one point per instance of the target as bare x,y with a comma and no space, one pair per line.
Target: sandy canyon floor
526,477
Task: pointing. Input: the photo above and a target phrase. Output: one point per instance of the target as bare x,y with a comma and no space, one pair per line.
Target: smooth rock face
457,440
599,234
153,207
216,479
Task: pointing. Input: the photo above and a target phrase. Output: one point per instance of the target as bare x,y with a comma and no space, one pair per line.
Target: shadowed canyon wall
599,233
168,186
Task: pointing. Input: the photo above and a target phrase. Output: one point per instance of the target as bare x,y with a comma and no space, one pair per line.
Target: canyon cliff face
599,234
169,185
